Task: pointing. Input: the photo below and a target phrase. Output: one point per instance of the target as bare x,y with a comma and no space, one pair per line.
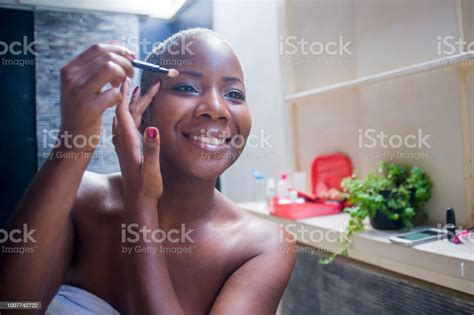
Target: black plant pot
381,221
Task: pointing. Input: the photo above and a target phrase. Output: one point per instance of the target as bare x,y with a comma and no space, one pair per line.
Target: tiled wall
59,37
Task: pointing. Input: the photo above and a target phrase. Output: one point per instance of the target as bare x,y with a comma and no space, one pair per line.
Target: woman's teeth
208,140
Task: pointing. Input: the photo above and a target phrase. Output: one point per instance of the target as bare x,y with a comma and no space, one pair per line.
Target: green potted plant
392,198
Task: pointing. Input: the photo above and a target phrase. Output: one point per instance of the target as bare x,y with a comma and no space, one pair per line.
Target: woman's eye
236,95
185,88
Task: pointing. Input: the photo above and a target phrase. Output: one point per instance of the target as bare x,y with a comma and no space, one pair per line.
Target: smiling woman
201,110
227,262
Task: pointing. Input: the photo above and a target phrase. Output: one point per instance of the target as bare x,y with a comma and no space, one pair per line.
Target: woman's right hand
83,99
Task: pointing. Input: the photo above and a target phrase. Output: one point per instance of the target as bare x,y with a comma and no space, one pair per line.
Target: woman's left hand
141,174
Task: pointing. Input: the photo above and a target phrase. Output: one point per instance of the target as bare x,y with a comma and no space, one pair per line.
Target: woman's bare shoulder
98,192
263,236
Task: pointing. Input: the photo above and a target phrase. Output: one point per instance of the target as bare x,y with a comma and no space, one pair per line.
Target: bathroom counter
439,262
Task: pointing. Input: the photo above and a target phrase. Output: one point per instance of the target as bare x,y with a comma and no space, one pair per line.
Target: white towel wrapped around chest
76,301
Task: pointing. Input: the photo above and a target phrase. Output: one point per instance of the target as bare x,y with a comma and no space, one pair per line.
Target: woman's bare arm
257,286
47,203
44,209
151,289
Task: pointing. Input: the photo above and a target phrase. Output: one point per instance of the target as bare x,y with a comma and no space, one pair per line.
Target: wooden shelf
466,59
439,262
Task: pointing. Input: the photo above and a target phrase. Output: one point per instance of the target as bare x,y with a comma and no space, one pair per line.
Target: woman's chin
208,168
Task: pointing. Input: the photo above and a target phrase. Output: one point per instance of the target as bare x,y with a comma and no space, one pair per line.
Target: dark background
17,113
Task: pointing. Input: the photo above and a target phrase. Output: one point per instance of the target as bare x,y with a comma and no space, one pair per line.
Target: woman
94,232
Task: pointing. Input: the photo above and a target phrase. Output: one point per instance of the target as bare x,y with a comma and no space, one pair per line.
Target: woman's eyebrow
232,79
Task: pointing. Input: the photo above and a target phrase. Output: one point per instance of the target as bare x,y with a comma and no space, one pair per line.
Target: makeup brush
172,73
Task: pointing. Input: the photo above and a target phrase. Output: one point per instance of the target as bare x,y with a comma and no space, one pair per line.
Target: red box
327,172
305,210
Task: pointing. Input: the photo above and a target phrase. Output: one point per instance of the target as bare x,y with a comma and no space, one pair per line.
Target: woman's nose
213,107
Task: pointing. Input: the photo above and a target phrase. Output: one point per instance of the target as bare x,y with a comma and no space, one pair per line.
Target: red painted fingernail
151,133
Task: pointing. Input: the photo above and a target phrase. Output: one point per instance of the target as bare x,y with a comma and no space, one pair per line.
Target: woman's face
202,114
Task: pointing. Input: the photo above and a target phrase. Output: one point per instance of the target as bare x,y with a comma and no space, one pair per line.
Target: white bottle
283,186
259,189
270,190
